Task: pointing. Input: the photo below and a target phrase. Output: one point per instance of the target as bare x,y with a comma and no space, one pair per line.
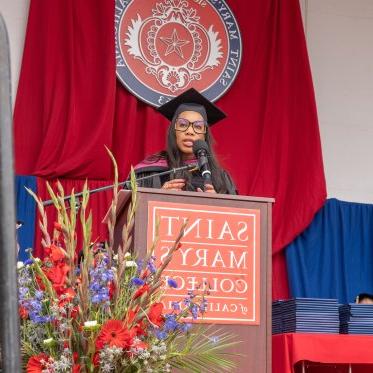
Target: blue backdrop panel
333,257
26,213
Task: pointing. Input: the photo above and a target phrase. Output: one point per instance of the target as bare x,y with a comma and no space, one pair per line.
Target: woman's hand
175,184
209,188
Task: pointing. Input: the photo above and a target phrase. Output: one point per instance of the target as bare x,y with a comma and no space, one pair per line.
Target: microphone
201,151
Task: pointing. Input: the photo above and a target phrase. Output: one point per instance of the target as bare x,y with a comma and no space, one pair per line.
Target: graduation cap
192,100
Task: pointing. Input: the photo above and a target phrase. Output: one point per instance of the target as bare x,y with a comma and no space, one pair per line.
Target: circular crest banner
164,47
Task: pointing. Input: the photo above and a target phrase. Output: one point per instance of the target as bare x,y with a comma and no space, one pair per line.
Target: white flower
20,265
91,325
127,255
115,257
48,342
131,263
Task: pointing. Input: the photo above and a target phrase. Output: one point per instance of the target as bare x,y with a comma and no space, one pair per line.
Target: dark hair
174,159
363,296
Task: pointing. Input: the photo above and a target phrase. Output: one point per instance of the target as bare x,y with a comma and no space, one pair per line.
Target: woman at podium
191,116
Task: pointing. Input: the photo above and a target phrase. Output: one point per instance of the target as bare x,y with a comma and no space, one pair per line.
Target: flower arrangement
101,311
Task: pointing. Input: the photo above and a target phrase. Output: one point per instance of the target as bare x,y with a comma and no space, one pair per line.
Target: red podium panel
227,247
219,253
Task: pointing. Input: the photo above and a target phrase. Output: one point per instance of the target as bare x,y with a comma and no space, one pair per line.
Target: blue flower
95,286
36,305
194,311
22,293
151,265
39,295
28,261
140,264
175,306
172,283
184,327
107,276
100,278
137,281
101,296
160,334
170,323
203,305
187,301
38,319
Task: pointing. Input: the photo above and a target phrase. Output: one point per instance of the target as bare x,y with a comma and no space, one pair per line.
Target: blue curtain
25,213
333,257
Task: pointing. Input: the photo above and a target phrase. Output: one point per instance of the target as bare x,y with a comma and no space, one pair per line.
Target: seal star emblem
174,44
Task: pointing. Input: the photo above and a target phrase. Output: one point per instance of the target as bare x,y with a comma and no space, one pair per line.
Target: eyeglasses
199,126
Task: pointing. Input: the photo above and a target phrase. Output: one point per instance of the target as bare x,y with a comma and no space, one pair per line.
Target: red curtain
66,94
69,105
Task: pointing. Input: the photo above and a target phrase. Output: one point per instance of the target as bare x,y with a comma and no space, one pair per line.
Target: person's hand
209,188
175,184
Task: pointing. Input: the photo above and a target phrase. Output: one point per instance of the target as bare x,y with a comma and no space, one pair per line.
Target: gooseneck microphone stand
127,184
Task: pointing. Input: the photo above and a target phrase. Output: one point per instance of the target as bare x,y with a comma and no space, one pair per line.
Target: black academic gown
196,181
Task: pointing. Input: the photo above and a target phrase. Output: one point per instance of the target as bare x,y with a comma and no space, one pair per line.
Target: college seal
164,47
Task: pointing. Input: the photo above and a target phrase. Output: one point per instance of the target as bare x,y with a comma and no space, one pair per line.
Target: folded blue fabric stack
356,318
276,317
308,315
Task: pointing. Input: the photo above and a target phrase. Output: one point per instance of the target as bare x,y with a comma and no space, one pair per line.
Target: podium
226,248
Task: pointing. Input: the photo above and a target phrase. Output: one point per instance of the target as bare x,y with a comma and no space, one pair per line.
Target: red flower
66,296
57,226
57,275
96,359
111,289
76,368
155,314
23,314
37,363
40,282
145,288
54,253
114,333
75,357
131,314
145,274
74,312
138,329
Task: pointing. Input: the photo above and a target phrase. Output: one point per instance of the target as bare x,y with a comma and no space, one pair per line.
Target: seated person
191,116
364,298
